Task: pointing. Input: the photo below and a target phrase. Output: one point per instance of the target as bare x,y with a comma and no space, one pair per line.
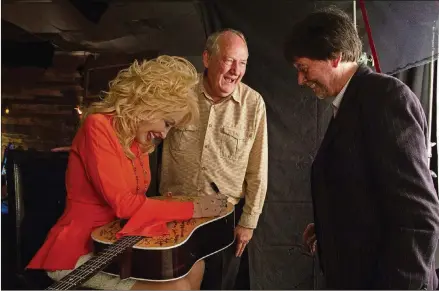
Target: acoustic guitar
161,258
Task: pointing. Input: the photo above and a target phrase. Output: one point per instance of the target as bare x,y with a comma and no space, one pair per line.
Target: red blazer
101,186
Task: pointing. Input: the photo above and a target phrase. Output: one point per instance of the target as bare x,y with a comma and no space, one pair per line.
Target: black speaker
36,199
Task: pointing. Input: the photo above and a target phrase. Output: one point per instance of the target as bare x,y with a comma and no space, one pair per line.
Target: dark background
57,55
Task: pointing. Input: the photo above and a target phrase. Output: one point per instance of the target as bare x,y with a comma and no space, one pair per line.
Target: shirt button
210,125
206,146
203,168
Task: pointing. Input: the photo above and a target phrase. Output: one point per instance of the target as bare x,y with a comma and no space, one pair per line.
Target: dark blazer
375,207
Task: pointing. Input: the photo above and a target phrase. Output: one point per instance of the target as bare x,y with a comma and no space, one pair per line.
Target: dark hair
322,35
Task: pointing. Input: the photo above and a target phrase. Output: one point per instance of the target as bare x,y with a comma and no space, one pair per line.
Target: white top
337,101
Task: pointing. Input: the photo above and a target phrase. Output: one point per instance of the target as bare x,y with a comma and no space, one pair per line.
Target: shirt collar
337,101
235,94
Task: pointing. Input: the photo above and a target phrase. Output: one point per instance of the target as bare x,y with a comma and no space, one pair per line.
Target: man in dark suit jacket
376,212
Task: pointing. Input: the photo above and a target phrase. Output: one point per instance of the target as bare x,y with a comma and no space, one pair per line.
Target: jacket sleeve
99,149
405,192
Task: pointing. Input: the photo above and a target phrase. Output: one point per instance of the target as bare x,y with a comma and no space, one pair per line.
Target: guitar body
168,257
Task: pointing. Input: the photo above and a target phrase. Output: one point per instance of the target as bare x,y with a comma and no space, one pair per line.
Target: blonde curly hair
148,91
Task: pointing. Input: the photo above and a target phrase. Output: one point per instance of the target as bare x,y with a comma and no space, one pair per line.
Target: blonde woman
108,170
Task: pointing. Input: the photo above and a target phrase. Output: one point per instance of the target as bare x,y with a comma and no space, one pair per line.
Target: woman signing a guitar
108,170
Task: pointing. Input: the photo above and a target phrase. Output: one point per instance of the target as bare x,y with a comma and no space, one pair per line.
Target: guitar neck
95,264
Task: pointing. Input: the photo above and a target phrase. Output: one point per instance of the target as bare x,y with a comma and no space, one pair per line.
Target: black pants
225,271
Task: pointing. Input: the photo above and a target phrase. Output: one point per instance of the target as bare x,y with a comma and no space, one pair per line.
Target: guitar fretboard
95,264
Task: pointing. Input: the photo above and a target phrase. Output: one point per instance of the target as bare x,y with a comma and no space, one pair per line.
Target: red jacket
101,187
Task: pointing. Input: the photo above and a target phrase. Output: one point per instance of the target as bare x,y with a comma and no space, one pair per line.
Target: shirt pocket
232,142
184,139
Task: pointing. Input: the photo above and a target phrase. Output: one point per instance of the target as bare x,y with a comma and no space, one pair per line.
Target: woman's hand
209,206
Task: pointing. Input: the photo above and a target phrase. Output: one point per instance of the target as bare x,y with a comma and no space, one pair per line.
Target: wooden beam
104,60
20,77
58,84
80,54
101,69
30,92
42,91
68,116
48,100
45,121
38,132
15,109
33,92
6,87
69,62
25,75
55,75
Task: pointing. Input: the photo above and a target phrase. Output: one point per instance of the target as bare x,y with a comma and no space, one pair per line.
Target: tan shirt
228,147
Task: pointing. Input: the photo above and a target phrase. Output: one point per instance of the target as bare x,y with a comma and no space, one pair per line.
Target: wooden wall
41,103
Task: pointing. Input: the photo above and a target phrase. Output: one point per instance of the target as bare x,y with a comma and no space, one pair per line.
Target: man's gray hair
212,46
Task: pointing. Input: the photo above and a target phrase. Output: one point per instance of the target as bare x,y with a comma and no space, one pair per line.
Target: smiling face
317,75
153,132
226,67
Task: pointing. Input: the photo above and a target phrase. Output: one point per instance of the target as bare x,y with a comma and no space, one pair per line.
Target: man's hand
309,238
242,236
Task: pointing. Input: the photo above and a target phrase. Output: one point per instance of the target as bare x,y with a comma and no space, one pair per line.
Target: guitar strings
73,278
80,274
93,265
